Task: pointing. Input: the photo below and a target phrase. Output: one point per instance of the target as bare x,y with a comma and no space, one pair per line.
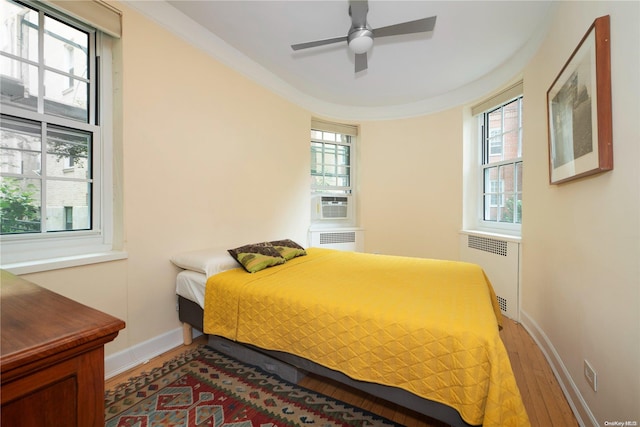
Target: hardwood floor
541,393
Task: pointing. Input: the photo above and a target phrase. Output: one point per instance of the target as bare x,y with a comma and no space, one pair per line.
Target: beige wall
581,240
411,185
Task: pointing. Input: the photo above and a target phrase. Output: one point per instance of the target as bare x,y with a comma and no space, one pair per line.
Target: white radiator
344,239
500,260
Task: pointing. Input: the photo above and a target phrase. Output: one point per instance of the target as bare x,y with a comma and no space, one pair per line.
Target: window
492,163
55,172
330,162
332,148
332,172
501,163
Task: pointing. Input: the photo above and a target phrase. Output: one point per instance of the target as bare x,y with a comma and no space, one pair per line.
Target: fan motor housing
360,40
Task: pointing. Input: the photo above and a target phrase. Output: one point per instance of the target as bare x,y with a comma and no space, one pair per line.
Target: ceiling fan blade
361,62
417,26
358,11
318,43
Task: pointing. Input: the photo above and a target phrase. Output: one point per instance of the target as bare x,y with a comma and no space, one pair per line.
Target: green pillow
288,248
257,256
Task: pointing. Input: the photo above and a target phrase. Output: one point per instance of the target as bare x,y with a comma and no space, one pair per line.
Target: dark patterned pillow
288,248
257,256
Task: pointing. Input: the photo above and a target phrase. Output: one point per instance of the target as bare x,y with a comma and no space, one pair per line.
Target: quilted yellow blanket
427,326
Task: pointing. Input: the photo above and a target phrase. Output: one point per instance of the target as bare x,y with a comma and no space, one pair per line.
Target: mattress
191,285
429,327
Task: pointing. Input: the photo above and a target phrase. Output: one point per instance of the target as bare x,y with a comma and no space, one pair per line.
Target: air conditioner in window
331,207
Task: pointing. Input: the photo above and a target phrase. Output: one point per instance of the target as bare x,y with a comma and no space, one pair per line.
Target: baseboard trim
139,354
576,401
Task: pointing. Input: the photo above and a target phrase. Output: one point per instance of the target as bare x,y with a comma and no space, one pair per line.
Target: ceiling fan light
360,41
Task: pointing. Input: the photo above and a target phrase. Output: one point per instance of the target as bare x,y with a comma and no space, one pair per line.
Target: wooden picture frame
579,109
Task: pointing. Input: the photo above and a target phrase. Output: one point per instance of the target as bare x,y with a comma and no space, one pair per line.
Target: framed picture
579,109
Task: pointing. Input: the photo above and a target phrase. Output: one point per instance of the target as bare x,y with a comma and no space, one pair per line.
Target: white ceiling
476,47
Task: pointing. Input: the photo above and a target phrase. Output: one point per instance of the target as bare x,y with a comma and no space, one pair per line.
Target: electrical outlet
590,375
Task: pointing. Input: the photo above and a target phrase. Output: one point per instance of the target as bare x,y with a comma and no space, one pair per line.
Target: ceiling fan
360,36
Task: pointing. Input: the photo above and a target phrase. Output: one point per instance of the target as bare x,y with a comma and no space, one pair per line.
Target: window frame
472,202
333,189
349,191
484,147
32,252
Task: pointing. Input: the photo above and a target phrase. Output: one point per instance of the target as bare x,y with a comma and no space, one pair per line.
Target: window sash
331,161
502,192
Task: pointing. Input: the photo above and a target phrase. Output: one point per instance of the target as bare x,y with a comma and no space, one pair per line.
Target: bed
417,332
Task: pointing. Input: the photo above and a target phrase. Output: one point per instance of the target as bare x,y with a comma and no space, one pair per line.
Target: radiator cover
500,259
344,239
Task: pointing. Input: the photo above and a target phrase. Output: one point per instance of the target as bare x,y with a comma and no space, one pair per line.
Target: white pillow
207,261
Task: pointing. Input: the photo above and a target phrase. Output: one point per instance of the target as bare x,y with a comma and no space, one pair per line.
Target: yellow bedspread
427,326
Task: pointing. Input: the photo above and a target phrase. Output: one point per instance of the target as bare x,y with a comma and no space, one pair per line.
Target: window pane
495,122
19,205
328,136
316,157
21,147
495,149
511,145
329,170
342,170
511,116
506,199
65,48
19,84
68,153
20,162
19,31
66,97
490,175
65,199
506,178
490,209
492,190
343,155
329,154
507,209
519,167
343,181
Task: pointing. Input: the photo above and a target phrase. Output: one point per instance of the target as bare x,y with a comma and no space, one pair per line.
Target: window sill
41,265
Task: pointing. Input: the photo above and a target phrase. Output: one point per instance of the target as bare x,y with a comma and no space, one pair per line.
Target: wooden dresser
51,357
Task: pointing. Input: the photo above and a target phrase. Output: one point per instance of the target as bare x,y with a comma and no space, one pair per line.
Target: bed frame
293,368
